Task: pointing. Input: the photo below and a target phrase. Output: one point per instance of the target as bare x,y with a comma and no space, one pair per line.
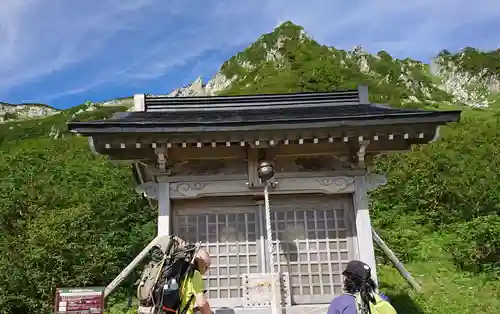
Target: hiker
172,281
194,286
360,296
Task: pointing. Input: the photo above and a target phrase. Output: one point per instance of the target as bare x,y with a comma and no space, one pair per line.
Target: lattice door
229,229
314,236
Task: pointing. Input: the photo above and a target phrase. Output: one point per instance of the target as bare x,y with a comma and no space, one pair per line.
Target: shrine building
197,158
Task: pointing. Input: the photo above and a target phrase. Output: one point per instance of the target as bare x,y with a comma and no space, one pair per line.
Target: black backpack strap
188,303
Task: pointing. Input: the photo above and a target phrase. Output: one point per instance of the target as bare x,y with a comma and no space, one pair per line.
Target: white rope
269,230
272,267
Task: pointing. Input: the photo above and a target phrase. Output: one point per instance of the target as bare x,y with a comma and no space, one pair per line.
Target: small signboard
88,300
258,292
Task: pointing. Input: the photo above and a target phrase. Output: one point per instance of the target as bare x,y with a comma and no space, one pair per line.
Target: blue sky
63,52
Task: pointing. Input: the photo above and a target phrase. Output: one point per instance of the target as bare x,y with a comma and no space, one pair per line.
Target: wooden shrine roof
184,115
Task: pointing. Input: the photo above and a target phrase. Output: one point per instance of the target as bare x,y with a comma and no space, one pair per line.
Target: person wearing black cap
360,295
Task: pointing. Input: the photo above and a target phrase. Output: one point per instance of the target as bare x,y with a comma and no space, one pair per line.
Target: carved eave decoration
322,150
357,143
236,187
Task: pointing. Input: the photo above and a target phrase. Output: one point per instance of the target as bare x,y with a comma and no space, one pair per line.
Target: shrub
476,244
451,186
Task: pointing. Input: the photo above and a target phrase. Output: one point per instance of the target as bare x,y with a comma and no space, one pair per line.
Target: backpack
172,260
381,306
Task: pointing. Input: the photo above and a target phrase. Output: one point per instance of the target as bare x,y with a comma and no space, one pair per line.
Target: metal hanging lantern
265,171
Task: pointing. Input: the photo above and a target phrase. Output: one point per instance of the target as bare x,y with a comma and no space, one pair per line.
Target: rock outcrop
25,111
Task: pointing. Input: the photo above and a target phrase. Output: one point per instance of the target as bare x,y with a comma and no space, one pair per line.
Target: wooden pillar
163,208
363,224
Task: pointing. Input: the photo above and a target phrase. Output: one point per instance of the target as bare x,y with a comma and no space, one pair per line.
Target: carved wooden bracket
148,189
361,153
325,185
161,154
374,181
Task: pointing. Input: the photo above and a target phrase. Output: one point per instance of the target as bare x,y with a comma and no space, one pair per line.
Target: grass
467,111
445,288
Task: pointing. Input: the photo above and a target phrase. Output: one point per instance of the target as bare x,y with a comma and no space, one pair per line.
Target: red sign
88,300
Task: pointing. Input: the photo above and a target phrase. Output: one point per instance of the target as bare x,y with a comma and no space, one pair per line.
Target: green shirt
192,285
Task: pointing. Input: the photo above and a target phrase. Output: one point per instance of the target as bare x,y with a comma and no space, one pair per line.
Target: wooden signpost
88,300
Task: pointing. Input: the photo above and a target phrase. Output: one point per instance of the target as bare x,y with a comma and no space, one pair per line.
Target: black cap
357,269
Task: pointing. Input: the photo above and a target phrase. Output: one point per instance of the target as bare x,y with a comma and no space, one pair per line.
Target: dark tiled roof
270,119
272,115
196,114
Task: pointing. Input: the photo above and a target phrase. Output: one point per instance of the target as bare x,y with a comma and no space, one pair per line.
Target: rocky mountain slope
25,111
18,112
469,77
289,55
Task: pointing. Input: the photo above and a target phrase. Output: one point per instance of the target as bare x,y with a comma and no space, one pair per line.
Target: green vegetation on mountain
71,218
287,60
473,60
10,116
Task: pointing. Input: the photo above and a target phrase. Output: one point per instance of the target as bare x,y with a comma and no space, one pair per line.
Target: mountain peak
288,60
288,28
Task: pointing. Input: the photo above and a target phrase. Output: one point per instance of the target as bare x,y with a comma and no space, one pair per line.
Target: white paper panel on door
314,237
230,232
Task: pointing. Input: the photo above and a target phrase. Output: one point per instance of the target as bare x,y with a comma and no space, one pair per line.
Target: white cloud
127,40
40,37
406,27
